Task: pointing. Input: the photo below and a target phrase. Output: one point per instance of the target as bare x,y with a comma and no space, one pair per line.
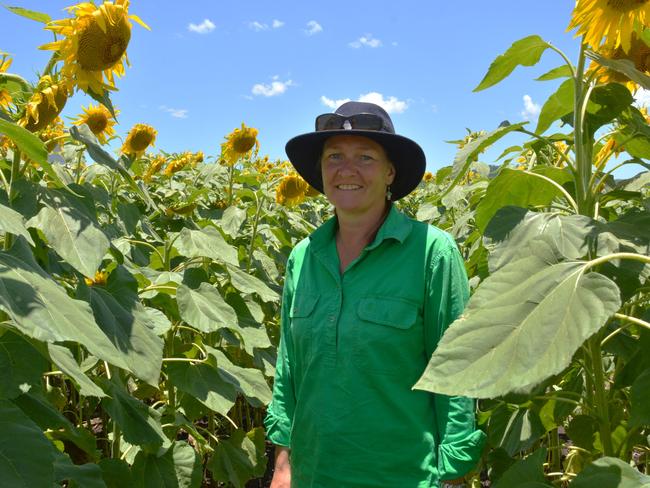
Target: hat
361,119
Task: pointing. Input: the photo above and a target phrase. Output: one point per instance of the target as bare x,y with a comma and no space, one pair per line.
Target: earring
389,194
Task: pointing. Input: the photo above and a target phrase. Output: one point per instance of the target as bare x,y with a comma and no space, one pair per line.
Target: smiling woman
366,298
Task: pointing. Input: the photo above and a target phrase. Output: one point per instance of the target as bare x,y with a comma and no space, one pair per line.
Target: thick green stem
171,392
230,183
600,395
260,203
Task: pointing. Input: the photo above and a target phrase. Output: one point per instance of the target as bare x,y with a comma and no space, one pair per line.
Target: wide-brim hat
407,156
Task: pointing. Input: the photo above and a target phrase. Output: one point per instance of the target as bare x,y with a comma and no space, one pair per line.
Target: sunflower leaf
624,66
563,71
558,105
524,52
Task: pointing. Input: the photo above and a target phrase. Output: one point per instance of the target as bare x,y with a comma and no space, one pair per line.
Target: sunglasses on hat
362,121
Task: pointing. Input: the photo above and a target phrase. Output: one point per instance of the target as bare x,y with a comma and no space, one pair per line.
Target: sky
207,66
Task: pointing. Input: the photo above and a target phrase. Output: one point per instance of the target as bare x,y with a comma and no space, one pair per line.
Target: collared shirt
353,345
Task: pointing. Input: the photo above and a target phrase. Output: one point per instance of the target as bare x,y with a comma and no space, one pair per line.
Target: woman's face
356,172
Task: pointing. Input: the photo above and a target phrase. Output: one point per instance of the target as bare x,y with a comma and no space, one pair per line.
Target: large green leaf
207,242
528,472
37,407
608,472
63,358
558,105
524,52
178,467
140,423
512,228
205,308
31,146
26,455
468,153
522,325
606,103
563,71
232,220
116,473
204,383
43,310
21,364
624,66
640,400
13,222
247,283
514,429
249,381
240,458
251,328
87,475
513,187
73,236
127,325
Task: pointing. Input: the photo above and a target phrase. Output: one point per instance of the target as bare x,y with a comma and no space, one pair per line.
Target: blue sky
207,66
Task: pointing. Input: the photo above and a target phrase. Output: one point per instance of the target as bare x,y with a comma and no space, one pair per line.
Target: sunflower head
179,163
428,176
239,143
53,133
609,22
5,62
45,104
93,48
99,120
638,53
291,190
140,137
98,280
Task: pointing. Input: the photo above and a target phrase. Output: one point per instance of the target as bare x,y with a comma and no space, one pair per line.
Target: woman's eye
366,158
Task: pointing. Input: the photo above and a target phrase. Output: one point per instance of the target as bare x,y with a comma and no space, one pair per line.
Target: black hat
362,119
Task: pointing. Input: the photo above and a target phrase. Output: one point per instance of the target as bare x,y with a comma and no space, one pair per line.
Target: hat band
361,121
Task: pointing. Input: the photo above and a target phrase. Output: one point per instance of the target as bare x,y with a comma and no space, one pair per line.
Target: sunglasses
361,121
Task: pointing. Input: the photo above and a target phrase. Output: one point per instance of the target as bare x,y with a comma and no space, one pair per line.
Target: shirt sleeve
460,443
279,414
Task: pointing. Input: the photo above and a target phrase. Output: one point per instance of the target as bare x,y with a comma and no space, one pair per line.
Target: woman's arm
282,472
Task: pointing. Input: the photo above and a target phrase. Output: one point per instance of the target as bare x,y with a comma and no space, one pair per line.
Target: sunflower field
140,291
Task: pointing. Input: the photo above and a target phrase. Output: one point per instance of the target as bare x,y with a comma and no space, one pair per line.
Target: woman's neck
354,233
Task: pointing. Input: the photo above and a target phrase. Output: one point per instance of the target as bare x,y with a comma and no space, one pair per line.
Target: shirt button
331,318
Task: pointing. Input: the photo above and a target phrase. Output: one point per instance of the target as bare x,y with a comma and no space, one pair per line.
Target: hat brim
407,156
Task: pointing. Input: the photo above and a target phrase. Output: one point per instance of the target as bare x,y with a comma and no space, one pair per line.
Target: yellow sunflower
639,54
140,137
45,104
99,120
428,176
94,45
291,190
179,163
98,280
239,143
154,166
53,134
610,20
5,96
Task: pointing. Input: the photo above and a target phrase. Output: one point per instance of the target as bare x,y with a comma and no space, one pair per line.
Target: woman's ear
390,175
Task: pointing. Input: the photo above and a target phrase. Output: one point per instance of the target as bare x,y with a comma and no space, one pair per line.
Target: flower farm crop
140,292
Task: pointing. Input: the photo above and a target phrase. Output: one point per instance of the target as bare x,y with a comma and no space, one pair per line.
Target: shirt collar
396,226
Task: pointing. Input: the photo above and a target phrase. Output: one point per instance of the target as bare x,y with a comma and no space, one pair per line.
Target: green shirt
353,345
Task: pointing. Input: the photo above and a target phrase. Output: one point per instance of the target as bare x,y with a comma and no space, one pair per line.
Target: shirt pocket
388,336
302,315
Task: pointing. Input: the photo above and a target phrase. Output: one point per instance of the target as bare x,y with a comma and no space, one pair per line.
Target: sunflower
140,137
239,143
94,43
428,176
45,104
53,133
291,190
5,96
154,166
639,54
98,280
611,20
99,120
179,163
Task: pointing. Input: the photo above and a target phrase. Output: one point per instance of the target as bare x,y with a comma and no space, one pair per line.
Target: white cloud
367,41
277,24
333,104
642,98
203,28
531,109
258,26
276,87
313,27
179,113
390,104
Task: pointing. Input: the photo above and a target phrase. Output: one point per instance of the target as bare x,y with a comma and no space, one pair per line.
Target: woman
366,298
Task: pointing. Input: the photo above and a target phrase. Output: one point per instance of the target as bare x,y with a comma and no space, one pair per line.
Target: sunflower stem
258,212
600,395
230,183
50,64
583,143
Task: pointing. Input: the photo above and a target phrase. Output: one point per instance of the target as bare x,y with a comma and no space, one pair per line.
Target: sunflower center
97,122
141,140
625,5
99,50
243,143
